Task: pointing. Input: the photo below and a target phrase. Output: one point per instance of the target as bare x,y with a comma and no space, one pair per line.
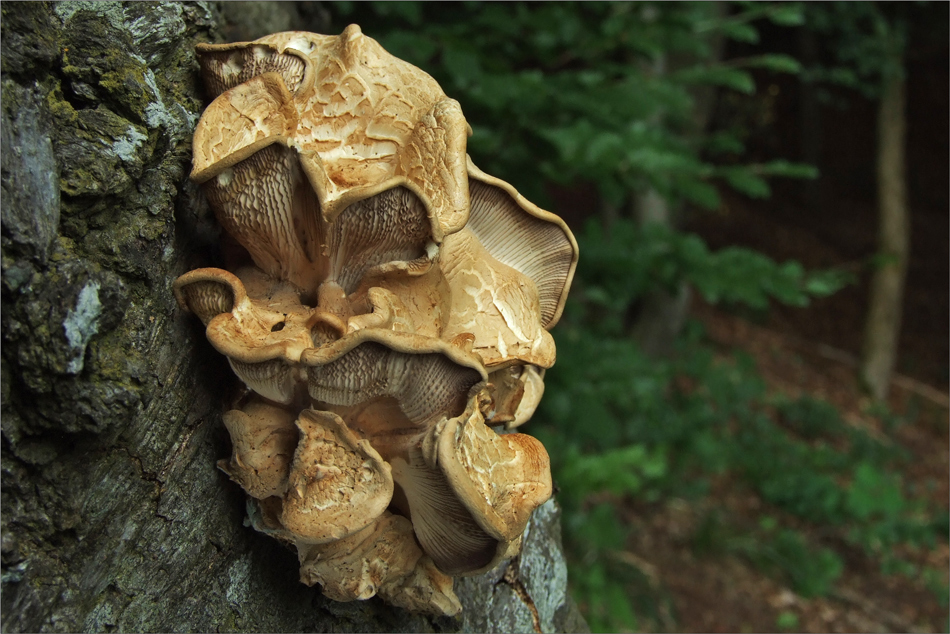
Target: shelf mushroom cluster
394,312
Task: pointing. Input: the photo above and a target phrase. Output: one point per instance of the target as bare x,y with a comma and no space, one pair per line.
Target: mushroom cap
388,312
404,301
501,479
241,121
525,237
263,440
355,566
268,323
533,380
363,121
426,589
382,558
262,336
495,303
470,491
338,484
208,292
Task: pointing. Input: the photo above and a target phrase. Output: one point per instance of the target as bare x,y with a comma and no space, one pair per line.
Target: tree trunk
661,314
882,328
114,515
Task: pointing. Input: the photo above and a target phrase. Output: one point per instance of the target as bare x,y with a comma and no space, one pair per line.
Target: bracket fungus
389,320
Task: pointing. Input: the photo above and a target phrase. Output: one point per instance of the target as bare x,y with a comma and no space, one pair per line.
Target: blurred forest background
748,419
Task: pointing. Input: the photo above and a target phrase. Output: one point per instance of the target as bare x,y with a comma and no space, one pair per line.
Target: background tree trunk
661,314
882,328
114,515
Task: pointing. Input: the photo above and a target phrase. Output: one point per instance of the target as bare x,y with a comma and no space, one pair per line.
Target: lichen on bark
114,515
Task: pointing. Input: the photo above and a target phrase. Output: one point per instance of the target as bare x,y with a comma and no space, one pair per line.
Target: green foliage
619,471
867,40
622,426
656,256
607,604
810,418
812,572
618,424
786,621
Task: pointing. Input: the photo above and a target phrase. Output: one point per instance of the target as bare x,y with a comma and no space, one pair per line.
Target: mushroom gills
427,387
266,204
445,528
391,226
528,239
226,66
207,299
273,379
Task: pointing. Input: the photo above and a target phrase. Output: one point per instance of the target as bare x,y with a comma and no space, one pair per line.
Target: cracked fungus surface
388,315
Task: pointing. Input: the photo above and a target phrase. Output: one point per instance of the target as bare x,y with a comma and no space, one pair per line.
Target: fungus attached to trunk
394,314
470,491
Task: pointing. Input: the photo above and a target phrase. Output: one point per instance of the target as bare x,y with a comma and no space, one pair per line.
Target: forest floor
809,352
723,592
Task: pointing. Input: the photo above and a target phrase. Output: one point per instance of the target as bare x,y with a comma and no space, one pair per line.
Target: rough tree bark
114,516
883,321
